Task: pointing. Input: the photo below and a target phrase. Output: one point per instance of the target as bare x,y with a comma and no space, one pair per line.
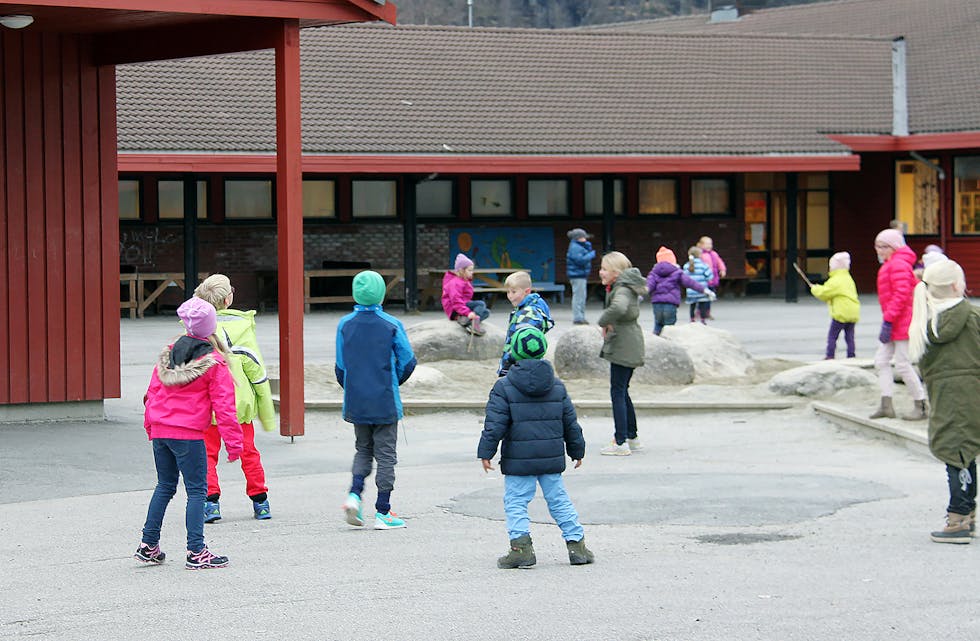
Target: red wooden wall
59,229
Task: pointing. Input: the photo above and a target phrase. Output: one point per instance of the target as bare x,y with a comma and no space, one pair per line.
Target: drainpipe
900,98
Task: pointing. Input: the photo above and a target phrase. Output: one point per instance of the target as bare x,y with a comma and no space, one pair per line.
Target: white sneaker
352,510
634,444
616,450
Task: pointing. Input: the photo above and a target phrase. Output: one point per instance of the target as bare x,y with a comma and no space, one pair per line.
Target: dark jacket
529,410
664,283
578,260
374,357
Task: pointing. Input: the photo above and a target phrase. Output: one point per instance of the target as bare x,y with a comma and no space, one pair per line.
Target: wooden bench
392,278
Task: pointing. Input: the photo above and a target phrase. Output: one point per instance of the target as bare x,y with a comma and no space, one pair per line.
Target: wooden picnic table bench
392,278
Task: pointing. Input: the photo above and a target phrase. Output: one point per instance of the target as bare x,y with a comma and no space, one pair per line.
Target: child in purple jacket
664,282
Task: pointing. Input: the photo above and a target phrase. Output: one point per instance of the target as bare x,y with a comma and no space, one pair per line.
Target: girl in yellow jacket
840,294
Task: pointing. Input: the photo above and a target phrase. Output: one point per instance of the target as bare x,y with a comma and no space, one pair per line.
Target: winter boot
886,409
578,554
918,412
957,529
521,554
973,522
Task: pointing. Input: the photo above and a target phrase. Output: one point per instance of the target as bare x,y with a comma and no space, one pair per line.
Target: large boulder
716,353
426,378
576,355
820,379
442,340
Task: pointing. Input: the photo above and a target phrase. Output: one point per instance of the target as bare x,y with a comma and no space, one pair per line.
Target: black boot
521,554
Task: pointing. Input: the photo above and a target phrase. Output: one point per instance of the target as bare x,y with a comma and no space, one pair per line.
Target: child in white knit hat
840,294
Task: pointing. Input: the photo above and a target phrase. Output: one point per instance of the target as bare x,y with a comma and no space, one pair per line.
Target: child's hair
215,289
616,262
692,253
518,280
940,282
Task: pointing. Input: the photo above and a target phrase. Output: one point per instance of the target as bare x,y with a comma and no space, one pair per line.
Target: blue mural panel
530,248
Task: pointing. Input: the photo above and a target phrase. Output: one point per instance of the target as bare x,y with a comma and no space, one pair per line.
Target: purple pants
835,328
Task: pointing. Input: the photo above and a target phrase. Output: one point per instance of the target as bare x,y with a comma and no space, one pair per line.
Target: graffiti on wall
139,247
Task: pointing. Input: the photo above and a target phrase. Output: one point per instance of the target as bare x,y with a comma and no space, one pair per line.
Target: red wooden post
289,207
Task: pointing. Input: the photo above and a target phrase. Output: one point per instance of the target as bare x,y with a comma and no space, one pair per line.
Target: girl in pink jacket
457,297
896,282
190,382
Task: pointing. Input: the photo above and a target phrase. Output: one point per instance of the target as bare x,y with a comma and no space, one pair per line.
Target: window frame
509,215
729,182
550,179
226,180
336,213
958,199
639,197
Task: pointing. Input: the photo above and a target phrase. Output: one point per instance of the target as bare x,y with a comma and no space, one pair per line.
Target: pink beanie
665,255
891,237
198,316
462,262
840,260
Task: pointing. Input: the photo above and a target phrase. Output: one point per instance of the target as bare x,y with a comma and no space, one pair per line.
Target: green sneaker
388,521
352,510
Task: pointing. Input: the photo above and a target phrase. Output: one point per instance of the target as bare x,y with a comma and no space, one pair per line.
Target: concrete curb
914,440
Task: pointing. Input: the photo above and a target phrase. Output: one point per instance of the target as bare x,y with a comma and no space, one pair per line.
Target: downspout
900,97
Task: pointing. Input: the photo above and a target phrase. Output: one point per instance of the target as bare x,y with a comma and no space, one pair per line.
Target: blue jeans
663,314
480,308
579,294
624,417
518,492
174,457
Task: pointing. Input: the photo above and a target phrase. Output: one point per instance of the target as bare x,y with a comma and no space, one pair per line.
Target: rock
820,379
425,377
576,355
715,353
441,340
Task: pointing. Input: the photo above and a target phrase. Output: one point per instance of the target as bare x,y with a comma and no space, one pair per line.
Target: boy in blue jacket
529,410
530,310
379,359
578,266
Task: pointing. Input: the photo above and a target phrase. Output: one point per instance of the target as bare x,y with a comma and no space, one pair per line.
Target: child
701,273
840,294
944,337
578,266
529,410
457,297
374,357
190,382
530,310
664,284
717,265
253,397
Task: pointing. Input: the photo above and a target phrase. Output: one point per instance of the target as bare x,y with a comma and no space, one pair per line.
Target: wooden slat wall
59,316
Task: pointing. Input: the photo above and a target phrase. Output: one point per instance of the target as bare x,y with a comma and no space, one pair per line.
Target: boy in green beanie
529,410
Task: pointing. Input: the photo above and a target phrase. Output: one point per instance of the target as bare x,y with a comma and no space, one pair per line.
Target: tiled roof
942,36
421,90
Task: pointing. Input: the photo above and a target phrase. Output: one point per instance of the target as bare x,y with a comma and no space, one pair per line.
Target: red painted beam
916,142
289,205
455,164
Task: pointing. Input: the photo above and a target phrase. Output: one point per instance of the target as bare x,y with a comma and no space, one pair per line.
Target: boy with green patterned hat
530,411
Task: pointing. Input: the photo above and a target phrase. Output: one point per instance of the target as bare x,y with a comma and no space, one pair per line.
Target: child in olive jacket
529,410
840,294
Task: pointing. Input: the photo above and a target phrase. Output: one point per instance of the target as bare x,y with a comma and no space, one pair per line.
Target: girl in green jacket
944,337
840,294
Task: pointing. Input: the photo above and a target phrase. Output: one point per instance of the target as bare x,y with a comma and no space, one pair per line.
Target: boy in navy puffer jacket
530,411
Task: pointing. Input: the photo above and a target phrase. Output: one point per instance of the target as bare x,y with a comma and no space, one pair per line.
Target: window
593,197
170,199
374,198
129,200
966,172
817,211
490,198
434,198
248,199
711,196
318,199
547,198
658,196
917,197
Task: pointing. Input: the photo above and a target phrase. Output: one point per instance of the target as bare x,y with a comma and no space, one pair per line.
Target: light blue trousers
518,492
579,294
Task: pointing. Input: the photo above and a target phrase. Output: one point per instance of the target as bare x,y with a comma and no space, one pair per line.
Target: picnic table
144,288
392,278
486,281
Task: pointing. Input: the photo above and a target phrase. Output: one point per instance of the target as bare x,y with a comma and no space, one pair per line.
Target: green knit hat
369,288
528,342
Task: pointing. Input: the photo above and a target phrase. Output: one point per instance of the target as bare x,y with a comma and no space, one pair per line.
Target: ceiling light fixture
16,22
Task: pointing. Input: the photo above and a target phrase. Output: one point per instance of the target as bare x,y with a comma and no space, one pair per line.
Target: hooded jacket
253,394
951,371
623,344
702,274
664,283
374,357
529,410
717,265
841,295
578,259
183,395
456,292
896,280
533,311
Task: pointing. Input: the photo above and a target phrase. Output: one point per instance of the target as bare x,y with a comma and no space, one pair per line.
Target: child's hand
234,457
578,463
487,466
